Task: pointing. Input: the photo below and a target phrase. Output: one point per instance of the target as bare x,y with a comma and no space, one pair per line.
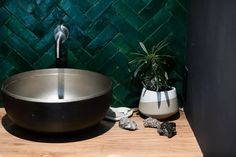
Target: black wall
211,86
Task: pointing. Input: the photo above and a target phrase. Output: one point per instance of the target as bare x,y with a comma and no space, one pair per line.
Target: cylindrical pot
158,105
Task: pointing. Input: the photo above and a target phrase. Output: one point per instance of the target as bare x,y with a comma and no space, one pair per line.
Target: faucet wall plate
61,31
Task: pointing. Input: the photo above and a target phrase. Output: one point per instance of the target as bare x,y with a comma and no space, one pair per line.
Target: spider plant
152,66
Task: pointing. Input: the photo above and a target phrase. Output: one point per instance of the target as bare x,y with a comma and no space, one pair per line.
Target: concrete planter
158,105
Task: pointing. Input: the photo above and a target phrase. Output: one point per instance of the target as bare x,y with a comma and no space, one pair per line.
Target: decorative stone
151,123
126,123
167,129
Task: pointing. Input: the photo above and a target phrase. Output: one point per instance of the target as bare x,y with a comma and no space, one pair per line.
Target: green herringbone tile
103,35
4,33
128,14
4,16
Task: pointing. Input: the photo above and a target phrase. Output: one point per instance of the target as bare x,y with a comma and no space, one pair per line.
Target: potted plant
158,99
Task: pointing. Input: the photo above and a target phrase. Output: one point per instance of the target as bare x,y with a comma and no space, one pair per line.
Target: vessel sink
56,100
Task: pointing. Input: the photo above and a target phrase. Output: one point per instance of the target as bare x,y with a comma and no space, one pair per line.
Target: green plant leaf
160,46
152,67
166,75
139,54
138,69
143,47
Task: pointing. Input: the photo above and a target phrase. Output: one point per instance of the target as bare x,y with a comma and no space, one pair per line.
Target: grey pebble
151,123
126,123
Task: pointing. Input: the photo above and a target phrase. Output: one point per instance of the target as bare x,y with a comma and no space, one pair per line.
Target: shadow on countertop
89,133
171,118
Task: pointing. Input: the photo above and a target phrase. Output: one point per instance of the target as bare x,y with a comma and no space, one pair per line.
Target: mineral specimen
127,124
167,129
151,123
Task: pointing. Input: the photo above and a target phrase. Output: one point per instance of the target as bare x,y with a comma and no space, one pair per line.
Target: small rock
151,123
126,123
167,129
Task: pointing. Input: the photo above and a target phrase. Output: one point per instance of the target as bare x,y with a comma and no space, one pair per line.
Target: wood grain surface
104,140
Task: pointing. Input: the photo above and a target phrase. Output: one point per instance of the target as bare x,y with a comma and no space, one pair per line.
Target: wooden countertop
106,140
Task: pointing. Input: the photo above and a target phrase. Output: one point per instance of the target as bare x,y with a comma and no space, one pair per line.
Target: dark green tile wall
103,35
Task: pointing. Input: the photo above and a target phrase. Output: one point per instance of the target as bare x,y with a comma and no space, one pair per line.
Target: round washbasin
56,100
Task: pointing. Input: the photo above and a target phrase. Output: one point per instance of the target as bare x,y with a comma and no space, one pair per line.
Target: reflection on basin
56,100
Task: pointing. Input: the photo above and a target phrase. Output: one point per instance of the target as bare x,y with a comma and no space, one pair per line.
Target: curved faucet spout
61,33
58,43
